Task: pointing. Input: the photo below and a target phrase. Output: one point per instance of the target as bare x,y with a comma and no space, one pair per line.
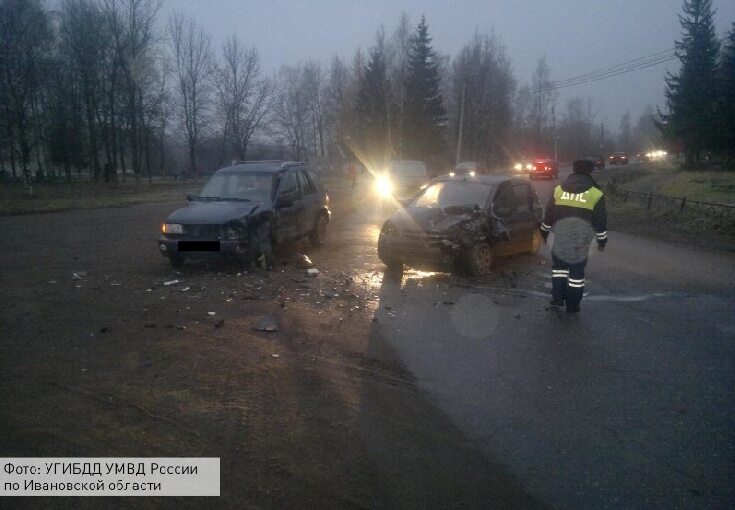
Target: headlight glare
383,186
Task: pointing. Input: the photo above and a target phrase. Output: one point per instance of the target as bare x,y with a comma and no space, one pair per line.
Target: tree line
106,89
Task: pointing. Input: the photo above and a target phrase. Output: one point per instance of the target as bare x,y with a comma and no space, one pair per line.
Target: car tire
318,236
176,262
479,259
391,263
536,241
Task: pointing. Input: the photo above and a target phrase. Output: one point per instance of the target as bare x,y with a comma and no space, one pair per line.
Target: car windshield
239,186
453,193
407,169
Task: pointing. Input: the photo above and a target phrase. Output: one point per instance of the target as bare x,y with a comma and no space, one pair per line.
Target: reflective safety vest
585,200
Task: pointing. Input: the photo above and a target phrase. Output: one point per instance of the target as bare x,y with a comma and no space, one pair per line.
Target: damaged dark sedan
460,223
246,208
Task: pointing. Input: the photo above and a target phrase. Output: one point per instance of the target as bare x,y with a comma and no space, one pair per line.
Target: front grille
203,232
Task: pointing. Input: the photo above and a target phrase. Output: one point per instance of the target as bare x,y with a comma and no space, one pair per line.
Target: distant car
471,168
547,168
598,161
245,208
401,179
523,166
640,157
461,223
618,158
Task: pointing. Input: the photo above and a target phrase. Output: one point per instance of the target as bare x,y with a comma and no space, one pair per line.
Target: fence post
650,200
683,203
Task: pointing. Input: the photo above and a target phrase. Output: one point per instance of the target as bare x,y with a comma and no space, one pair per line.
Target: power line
636,64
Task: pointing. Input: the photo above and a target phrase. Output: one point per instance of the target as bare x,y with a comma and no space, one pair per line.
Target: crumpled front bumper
418,249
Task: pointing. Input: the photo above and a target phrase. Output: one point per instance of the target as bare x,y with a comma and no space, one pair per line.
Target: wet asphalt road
628,405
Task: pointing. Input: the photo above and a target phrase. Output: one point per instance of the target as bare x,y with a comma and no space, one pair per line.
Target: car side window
289,184
522,198
504,200
306,185
314,179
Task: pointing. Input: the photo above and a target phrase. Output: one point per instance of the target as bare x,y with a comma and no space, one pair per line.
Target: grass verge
60,197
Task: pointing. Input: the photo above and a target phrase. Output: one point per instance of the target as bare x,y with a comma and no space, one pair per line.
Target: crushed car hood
213,213
425,219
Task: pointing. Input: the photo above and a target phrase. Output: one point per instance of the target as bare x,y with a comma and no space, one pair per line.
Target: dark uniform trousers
567,281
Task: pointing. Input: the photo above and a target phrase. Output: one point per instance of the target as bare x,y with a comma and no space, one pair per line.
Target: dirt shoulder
316,414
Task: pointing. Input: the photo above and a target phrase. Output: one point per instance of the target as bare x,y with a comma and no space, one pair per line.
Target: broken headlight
231,231
388,228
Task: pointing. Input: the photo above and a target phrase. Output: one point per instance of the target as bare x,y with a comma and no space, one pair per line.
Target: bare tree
482,71
132,24
292,112
244,96
543,97
192,60
25,39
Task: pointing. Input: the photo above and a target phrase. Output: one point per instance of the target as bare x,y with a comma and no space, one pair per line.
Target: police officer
576,214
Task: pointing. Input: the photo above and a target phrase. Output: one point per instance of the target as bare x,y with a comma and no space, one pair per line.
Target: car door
503,207
289,209
524,217
311,201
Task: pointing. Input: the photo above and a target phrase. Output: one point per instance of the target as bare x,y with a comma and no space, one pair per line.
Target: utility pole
602,136
553,132
461,123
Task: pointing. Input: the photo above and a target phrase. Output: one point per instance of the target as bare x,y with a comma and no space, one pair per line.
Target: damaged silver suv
246,208
461,223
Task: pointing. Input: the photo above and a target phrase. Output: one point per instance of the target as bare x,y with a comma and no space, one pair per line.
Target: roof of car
489,179
269,166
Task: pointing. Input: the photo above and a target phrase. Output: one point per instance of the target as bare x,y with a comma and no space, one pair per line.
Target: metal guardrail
652,200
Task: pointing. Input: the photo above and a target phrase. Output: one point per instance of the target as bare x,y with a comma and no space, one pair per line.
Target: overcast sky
577,36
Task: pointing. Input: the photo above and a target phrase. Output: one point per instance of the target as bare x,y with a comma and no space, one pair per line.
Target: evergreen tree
726,127
372,105
691,94
425,116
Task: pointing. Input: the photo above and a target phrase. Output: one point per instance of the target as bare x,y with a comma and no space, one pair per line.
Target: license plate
198,245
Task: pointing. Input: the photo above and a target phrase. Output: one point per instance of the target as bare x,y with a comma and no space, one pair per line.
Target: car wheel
318,236
536,242
391,263
176,262
480,259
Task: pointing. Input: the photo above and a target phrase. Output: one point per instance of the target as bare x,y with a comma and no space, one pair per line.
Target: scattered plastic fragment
304,261
219,324
171,282
186,289
266,323
312,272
212,314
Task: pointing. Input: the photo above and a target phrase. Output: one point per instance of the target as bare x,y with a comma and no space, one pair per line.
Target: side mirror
189,197
285,199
